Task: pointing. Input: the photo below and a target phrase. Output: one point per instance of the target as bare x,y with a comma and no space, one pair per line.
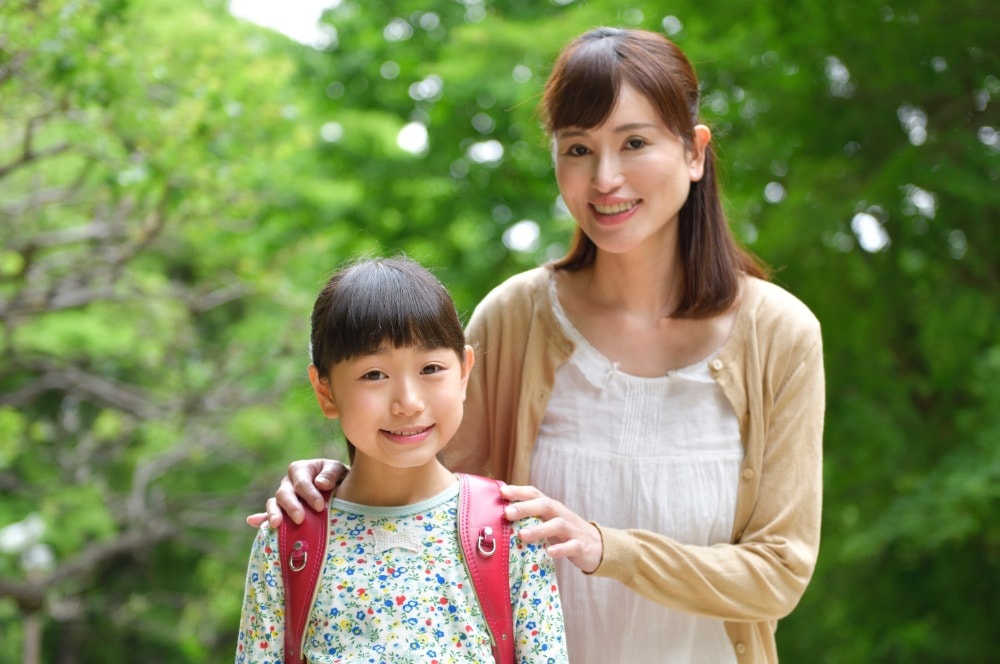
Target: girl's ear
470,360
324,395
696,155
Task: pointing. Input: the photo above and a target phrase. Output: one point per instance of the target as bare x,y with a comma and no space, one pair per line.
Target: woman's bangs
588,89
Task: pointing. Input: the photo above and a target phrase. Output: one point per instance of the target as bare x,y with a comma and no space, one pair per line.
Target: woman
649,396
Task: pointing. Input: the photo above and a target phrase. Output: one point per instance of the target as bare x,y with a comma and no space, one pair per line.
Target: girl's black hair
375,302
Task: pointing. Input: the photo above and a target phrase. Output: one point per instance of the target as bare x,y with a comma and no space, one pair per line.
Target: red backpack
484,534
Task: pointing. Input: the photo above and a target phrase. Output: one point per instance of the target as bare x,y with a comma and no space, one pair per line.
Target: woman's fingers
300,483
272,514
567,534
513,492
256,519
299,487
287,498
331,473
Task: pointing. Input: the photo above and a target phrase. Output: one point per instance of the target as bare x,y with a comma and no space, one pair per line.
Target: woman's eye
635,143
577,150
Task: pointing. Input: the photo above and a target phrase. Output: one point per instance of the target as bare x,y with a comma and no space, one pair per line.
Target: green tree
174,185
147,329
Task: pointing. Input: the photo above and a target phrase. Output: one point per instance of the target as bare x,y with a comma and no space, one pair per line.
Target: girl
390,361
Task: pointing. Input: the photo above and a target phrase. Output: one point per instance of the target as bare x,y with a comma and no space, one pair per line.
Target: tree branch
30,594
128,399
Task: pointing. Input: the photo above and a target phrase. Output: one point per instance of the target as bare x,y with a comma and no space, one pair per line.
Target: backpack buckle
487,544
299,556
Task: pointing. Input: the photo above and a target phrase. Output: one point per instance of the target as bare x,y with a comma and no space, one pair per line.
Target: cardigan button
748,473
741,648
716,364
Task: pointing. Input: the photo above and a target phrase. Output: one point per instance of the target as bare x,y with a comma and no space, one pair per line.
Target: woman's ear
697,152
324,393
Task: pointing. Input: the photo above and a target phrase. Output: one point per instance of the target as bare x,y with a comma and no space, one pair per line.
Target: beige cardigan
770,369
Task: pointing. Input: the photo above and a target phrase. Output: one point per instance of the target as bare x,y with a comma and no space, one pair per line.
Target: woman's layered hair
582,92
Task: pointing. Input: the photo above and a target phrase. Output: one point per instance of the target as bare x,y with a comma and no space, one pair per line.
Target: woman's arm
764,572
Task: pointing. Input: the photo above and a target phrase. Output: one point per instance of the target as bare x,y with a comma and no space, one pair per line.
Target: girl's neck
377,485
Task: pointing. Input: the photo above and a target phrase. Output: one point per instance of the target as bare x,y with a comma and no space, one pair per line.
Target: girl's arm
262,627
539,635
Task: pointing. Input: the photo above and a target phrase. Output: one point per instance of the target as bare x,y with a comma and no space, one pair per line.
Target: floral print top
394,588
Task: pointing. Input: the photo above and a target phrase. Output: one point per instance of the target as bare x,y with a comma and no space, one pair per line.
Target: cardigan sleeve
762,574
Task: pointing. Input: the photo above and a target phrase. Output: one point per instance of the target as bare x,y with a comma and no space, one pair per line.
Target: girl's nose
407,399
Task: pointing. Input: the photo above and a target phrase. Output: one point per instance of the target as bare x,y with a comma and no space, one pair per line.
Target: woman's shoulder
516,286
768,304
521,292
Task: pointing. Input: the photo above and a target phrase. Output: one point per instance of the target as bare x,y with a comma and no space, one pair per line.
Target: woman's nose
607,174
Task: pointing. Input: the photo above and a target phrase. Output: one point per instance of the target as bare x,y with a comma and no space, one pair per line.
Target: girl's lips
408,436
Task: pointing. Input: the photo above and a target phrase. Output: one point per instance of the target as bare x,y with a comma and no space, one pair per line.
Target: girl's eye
374,374
432,369
635,143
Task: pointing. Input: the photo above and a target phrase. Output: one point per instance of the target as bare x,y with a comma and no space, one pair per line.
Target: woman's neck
377,485
647,286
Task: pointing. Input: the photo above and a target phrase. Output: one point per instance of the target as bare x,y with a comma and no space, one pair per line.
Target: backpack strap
301,550
484,533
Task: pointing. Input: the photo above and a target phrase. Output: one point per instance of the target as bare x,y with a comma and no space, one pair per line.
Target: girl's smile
398,406
409,436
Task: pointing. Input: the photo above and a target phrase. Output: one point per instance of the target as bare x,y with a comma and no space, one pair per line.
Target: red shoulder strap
301,549
485,536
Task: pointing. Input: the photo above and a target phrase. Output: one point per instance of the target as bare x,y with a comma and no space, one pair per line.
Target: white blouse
660,454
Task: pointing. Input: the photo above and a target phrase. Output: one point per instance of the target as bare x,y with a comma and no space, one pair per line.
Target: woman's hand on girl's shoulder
567,534
301,486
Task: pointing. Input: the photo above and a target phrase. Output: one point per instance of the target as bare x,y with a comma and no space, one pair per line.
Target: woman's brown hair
582,91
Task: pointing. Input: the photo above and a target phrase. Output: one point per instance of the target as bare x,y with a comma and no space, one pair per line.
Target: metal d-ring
486,536
298,555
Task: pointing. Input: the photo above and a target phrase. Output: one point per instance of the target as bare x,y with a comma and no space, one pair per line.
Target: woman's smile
609,214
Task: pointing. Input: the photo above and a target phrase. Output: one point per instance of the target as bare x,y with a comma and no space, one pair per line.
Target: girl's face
400,406
625,181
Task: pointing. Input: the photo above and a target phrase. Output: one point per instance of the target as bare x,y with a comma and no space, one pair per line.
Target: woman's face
625,181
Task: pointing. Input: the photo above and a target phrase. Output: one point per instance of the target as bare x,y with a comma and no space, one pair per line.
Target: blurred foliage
175,184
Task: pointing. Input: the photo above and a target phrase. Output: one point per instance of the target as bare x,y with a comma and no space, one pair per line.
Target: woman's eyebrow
620,129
